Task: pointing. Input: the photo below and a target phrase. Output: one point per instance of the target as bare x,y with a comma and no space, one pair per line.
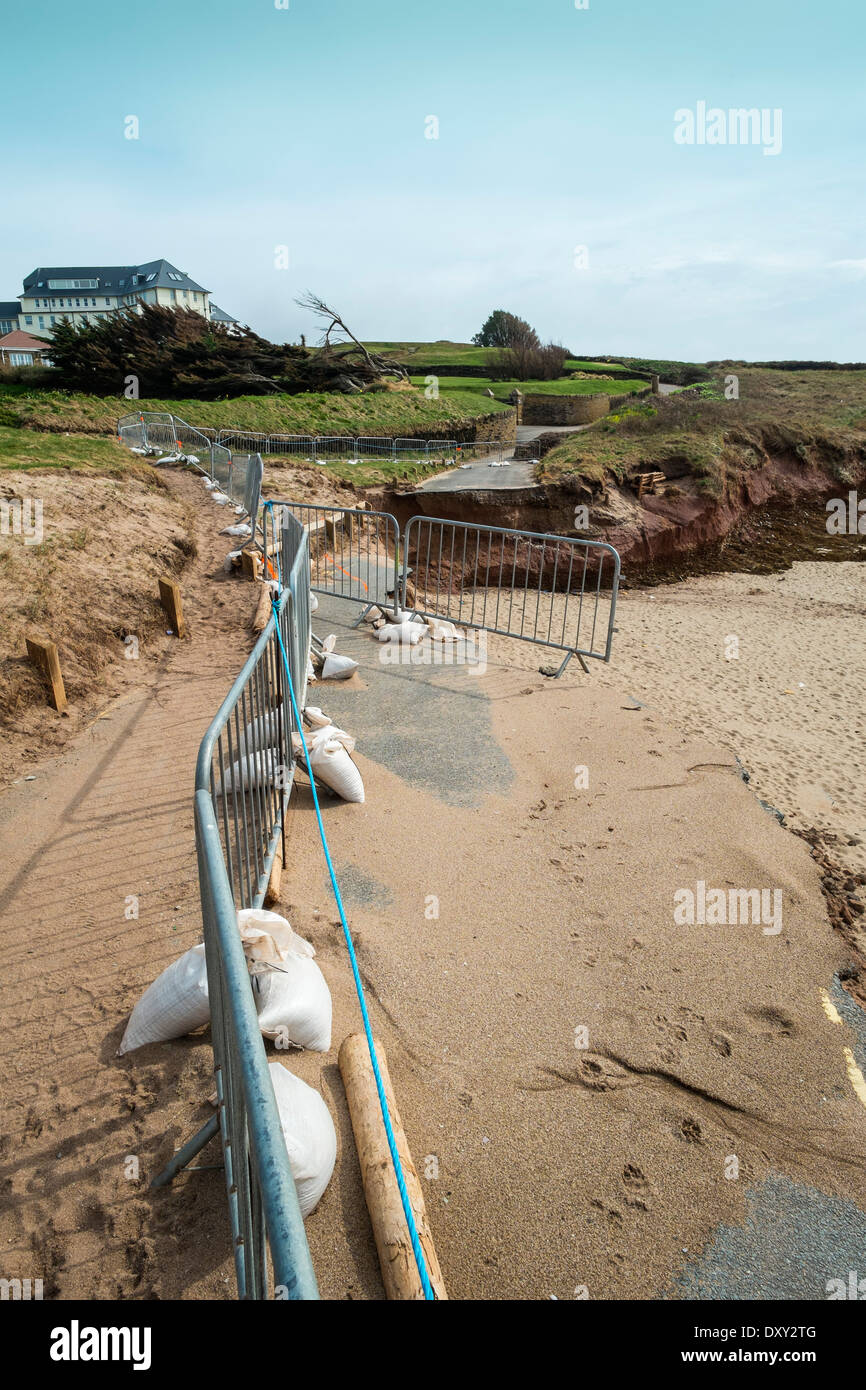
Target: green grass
819,417
447,354
379,472
565,386
402,412
31,449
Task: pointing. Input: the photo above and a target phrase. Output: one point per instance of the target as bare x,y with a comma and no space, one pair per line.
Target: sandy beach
575,1069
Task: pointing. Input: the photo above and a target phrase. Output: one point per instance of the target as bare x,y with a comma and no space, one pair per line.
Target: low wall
563,410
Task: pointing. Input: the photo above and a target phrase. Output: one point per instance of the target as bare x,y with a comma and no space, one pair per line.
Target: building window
21,359
173,294
41,321
28,319
107,303
52,318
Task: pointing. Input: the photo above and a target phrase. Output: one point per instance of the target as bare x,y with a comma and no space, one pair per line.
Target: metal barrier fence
243,780
353,553
312,447
556,591
168,431
236,476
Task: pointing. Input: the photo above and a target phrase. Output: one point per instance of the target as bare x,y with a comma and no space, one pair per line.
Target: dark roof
220,314
9,308
134,277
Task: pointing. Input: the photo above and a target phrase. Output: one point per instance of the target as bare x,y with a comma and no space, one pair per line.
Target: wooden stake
264,608
250,564
399,1270
45,659
272,892
169,597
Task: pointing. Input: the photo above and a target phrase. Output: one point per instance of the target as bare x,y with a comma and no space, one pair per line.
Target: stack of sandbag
257,760
291,994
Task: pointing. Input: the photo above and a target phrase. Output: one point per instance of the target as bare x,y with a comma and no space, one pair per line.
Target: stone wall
563,410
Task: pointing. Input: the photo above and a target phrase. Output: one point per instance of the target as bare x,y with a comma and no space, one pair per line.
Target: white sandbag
338,668
262,732
267,936
316,718
314,603
228,566
252,770
410,634
308,1130
332,765
294,1003
220,498
240,528
441,630
330,642
174,1005
292,997
324,733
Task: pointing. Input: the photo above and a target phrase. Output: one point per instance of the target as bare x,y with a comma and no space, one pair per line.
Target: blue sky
305,127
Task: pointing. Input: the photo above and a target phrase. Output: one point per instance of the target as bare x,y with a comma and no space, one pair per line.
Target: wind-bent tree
504,330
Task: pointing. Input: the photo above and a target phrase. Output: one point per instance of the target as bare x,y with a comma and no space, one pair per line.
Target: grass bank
820,417
392,413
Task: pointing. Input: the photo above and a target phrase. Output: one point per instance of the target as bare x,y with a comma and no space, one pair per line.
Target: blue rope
359,989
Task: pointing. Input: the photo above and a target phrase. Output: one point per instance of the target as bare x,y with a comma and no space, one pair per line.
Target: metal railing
168,431
243,781
556,591
240,476
313,447
353,553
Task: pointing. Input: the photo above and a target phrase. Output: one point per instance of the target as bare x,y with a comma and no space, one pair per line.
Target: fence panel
255,442
243,780
335,446
353,553
377,446
557,591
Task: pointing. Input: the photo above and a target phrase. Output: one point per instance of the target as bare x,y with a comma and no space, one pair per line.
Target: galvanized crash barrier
160,430
354,449
243,780
556,591
353,553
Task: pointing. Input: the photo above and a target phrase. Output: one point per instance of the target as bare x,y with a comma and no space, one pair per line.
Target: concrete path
481,477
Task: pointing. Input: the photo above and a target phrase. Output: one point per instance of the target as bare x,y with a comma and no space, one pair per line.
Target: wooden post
169,597
272,892
264,608
396,1257
45,659
250,564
